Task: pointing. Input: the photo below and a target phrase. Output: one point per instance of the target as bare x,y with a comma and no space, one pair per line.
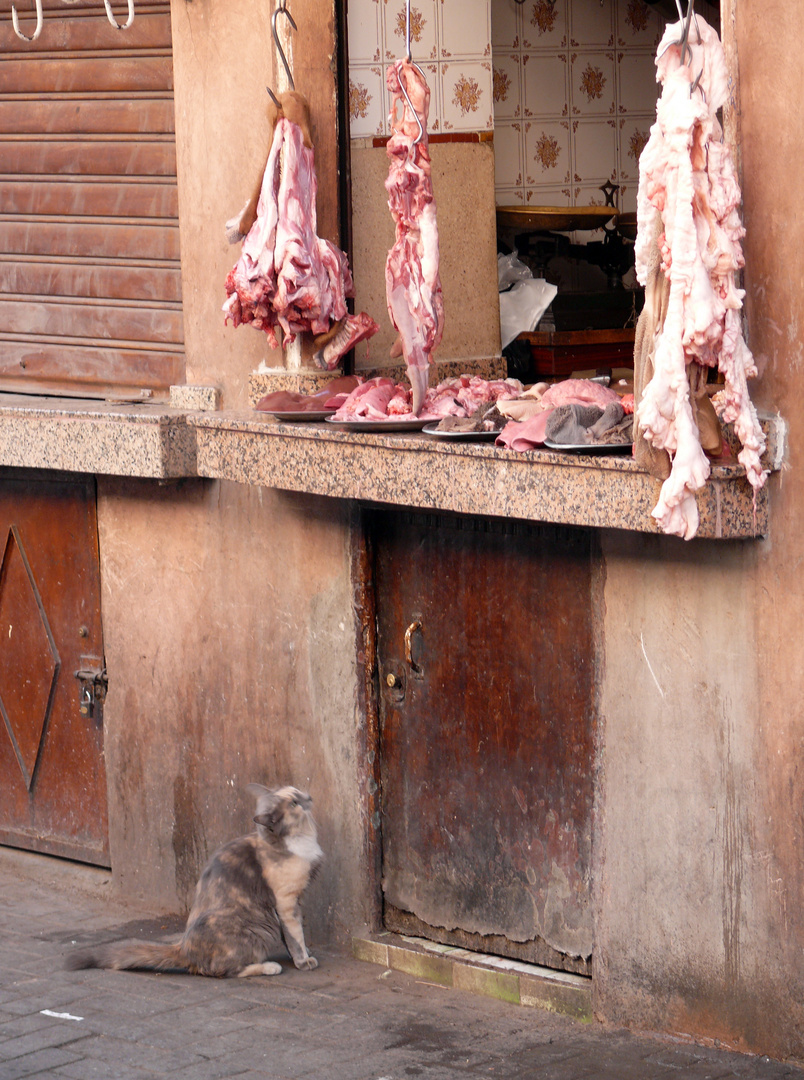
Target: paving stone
347,1020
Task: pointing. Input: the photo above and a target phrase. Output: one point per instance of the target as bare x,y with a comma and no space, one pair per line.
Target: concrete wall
228,618
700,871
231,639
463,187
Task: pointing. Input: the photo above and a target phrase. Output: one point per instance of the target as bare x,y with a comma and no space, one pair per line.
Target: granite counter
418,471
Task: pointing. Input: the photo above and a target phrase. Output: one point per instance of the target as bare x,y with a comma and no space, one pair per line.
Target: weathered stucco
700,871
463,186
230,629
230,647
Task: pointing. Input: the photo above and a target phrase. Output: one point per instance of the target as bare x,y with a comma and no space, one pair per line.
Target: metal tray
591,448
378,426
301,415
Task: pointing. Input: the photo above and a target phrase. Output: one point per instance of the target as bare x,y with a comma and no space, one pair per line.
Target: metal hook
420,136
683,42
282,9
16,23
113,20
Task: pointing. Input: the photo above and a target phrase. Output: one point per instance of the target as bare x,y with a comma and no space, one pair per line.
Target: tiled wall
450,40
575,95
568,86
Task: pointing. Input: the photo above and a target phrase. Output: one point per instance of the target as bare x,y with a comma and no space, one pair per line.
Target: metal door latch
93,684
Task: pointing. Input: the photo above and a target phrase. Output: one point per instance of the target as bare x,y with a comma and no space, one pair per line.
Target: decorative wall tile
548,196
364,33
367,100
423,30
547,153
634,133
510,196
544,81
462,26
594,146
592,87
467,96
568,88
506,86
505,25
638,25
508,147
544,23
592,24
637,79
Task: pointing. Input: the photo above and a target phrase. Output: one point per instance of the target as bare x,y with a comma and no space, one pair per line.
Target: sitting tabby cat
246,903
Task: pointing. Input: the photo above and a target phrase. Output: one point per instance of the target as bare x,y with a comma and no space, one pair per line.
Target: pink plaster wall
700,871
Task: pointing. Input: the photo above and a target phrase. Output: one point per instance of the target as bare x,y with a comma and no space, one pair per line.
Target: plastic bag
510,269
522,307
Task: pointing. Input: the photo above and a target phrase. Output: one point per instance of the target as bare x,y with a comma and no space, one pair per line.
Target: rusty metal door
52,775
487,724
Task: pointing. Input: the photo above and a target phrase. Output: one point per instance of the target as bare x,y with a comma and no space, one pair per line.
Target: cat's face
284,811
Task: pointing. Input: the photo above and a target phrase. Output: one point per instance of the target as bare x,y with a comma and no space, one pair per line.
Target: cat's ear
258,789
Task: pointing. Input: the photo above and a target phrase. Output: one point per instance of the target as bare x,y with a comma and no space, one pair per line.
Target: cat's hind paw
307,964
270,967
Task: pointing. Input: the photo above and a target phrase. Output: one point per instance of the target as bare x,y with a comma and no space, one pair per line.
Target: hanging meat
688,253
287,276
413,286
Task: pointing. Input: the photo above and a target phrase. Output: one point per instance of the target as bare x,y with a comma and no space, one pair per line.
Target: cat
246,903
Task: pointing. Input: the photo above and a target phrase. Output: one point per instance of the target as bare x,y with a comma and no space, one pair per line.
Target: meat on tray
385,399
287,276
688,252
413,286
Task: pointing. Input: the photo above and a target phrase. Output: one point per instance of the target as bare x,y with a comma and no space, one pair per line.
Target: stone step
477,973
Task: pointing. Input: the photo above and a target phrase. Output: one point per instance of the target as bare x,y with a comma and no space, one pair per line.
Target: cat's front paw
308,964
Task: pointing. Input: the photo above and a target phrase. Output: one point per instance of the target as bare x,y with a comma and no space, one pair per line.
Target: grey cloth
574,425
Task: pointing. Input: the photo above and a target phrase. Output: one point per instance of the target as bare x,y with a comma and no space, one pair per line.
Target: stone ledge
115,439
477,973
417,471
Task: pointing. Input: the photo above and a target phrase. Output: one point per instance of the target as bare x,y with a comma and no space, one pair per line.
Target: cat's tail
128,956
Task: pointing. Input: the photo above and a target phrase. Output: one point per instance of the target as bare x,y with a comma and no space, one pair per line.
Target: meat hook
113,20
683,42
16,23
282,9
409,58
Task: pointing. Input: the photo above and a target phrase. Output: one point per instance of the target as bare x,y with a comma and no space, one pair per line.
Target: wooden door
90,280
52,776
487,725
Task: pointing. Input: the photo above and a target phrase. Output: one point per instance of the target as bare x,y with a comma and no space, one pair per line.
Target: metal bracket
93,684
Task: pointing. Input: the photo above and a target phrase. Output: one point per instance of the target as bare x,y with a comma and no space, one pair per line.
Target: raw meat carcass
287,276
413,286
687,208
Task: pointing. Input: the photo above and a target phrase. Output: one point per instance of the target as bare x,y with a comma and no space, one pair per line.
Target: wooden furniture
559,353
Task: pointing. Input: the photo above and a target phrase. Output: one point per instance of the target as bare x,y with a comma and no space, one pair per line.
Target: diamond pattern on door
26,696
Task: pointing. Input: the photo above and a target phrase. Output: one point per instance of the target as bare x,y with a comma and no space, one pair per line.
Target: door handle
411,630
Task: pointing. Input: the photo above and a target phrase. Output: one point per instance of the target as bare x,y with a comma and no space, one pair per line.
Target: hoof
308,964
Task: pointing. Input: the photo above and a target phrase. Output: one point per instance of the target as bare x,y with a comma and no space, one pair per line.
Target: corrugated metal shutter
90,282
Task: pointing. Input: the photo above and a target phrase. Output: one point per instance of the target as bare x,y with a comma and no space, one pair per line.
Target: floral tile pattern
568,86
588,96
449,39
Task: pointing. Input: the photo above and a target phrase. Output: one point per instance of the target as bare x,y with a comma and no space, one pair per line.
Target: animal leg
270,967
292,932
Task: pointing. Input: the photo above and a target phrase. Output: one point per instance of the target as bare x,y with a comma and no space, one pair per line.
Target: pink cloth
524,435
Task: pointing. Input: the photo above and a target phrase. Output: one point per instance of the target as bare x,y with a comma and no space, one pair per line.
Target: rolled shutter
90,280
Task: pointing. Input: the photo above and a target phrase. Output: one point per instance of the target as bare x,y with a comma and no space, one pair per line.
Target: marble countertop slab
113,438
415,470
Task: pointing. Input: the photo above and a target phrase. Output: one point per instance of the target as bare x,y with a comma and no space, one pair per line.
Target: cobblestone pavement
346,1021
